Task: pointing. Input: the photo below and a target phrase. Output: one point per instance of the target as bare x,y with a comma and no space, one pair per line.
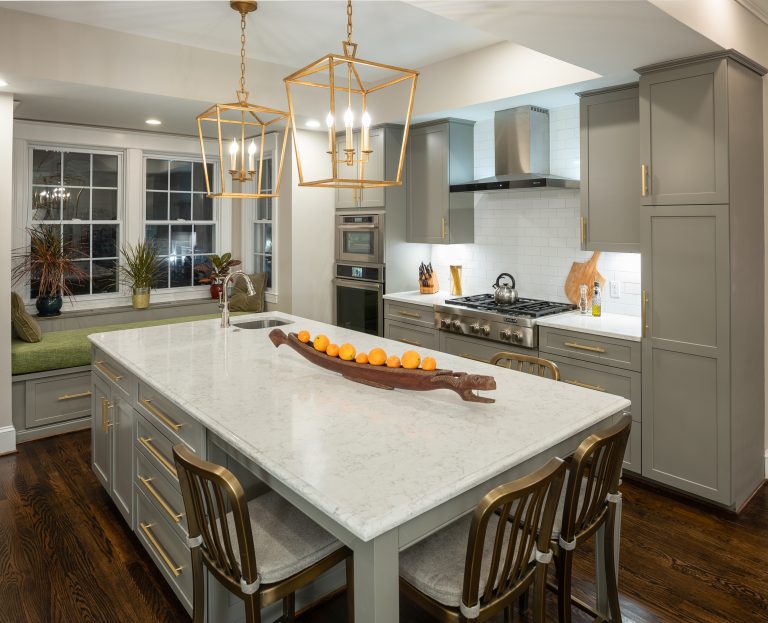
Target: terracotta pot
140,298
216,290
49,306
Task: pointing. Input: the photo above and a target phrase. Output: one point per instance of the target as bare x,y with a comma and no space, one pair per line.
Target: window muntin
262,227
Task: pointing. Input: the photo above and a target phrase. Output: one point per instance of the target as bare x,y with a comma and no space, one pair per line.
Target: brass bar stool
455,578
589,503
290,548
527,363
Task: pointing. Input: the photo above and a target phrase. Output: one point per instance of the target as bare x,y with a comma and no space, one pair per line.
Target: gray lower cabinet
410,324
610,143
473,348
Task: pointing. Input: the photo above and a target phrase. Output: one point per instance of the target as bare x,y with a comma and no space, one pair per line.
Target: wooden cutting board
583,273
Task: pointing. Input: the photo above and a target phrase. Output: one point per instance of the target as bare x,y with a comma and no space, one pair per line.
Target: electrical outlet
615,289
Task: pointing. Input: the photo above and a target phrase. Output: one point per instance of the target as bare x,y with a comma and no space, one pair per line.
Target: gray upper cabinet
684,148
369,198
441,153
610,146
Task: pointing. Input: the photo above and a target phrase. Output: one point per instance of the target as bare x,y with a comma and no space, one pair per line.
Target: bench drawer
169,552
112,372
604,350
169,418
409,334
163,492
157,448
57,399
415,314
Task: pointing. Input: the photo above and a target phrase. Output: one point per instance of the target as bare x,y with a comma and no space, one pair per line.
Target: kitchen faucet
224,297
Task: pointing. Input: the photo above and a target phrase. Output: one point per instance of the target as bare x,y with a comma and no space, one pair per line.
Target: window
179,218
78,193
262,227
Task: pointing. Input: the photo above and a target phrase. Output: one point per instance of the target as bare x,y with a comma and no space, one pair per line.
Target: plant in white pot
139,270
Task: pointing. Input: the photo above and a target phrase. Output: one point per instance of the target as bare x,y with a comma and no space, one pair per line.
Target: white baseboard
8,439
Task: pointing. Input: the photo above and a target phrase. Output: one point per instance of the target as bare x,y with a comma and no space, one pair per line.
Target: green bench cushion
69,349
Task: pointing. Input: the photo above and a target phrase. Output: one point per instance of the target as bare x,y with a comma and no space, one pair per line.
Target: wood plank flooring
66,555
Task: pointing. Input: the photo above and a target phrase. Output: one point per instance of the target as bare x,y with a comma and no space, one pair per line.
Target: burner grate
531,308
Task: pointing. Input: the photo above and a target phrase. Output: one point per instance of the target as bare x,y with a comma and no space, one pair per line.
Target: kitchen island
378,469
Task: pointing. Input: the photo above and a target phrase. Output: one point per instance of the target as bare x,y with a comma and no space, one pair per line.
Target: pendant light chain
243,92
349,21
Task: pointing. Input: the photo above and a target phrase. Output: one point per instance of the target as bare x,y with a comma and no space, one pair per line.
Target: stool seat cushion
285,540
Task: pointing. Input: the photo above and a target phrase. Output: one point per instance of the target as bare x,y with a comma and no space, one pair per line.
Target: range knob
506,334
445,323
518,335
456,325
475,327
486,330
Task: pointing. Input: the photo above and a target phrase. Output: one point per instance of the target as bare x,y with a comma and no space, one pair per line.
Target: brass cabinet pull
73,396
105,407
147,443
411,342
644,180
442,228
175,517
467,356
644,319
172,566
147,404
106,371
409,314
597,388
583,231
592,349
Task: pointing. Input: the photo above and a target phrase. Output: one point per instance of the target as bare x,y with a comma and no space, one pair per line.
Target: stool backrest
210,491
525,512
527,363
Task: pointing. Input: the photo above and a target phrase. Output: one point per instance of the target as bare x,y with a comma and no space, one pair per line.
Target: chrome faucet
224,297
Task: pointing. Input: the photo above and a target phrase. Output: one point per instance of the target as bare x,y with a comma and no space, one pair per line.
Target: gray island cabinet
701,188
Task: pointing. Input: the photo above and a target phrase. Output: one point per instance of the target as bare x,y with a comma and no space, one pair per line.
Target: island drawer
415,314
157,448
57,399
168,550
162,492
597,349
412,335
169,418
111,371
479,350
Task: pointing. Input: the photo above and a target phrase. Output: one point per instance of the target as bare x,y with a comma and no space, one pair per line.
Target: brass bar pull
105,407
106,371
147,404
473,358
644,180
73,396
583,231
409,314
147,443
644,319
592,349
175,517
597,388
172,566
442,228
411,342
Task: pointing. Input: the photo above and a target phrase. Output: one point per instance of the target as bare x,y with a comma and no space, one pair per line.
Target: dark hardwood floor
66,554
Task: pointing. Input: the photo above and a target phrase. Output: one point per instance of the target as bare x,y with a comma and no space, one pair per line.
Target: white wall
534,234
7,432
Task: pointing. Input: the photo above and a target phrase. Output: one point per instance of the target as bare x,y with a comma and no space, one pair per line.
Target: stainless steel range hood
521,137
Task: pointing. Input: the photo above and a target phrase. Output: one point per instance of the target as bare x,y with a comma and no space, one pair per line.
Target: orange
393,361
377,357
332,350
303,336
347,352
411,359
321,343
361,358
428,364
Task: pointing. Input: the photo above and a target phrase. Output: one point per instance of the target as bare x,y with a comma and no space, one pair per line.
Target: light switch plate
615,289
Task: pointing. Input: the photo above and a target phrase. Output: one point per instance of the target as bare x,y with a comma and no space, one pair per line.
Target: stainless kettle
504,293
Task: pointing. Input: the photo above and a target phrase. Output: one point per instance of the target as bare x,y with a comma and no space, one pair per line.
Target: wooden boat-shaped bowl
390,378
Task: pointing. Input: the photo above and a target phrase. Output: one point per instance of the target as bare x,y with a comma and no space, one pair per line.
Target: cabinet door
684,134
346,198
610,148
428,185
411,334
374,170
101,435
686,385
122,457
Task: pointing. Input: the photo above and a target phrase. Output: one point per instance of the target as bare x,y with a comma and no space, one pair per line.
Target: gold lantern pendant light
241,129
357,82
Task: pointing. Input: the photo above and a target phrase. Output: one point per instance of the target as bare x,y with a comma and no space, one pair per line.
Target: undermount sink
260,324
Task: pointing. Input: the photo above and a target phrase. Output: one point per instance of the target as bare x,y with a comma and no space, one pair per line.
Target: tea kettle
504,293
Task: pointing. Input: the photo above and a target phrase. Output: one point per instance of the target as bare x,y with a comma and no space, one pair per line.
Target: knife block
432,287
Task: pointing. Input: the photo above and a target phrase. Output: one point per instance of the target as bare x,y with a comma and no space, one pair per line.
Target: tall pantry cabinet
701,181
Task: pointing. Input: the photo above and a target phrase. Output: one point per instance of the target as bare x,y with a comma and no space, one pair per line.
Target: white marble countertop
608,325
415,297
371,459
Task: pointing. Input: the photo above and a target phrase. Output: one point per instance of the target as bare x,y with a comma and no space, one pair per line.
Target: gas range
480,316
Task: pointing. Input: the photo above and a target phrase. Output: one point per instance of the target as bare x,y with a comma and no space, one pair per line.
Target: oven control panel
506,330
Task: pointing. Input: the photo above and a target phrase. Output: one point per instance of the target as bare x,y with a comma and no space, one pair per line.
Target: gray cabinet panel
610,175
595,348
684,143
474,348
410,334
374,169
57,399
101,454
405,312
122,458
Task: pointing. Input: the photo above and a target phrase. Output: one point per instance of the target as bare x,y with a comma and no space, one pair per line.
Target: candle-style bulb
366,120
329,120
233,155
251,152
233,148
348,118
252,148
365,145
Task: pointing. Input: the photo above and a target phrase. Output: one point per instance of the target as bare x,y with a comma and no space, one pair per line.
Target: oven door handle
362,284
345,227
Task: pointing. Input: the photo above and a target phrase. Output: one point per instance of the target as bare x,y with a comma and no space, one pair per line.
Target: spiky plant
140,266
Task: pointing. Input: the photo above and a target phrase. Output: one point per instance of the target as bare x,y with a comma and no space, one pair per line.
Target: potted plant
139,269
50,264
215,272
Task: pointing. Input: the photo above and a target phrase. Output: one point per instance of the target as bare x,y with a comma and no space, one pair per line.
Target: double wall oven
358,283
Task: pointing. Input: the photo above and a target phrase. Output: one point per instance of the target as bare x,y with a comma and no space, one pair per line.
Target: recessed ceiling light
3,83
153,122
312,123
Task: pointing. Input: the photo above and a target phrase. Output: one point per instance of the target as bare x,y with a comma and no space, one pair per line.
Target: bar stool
455,578
527,363
588,504
291,549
